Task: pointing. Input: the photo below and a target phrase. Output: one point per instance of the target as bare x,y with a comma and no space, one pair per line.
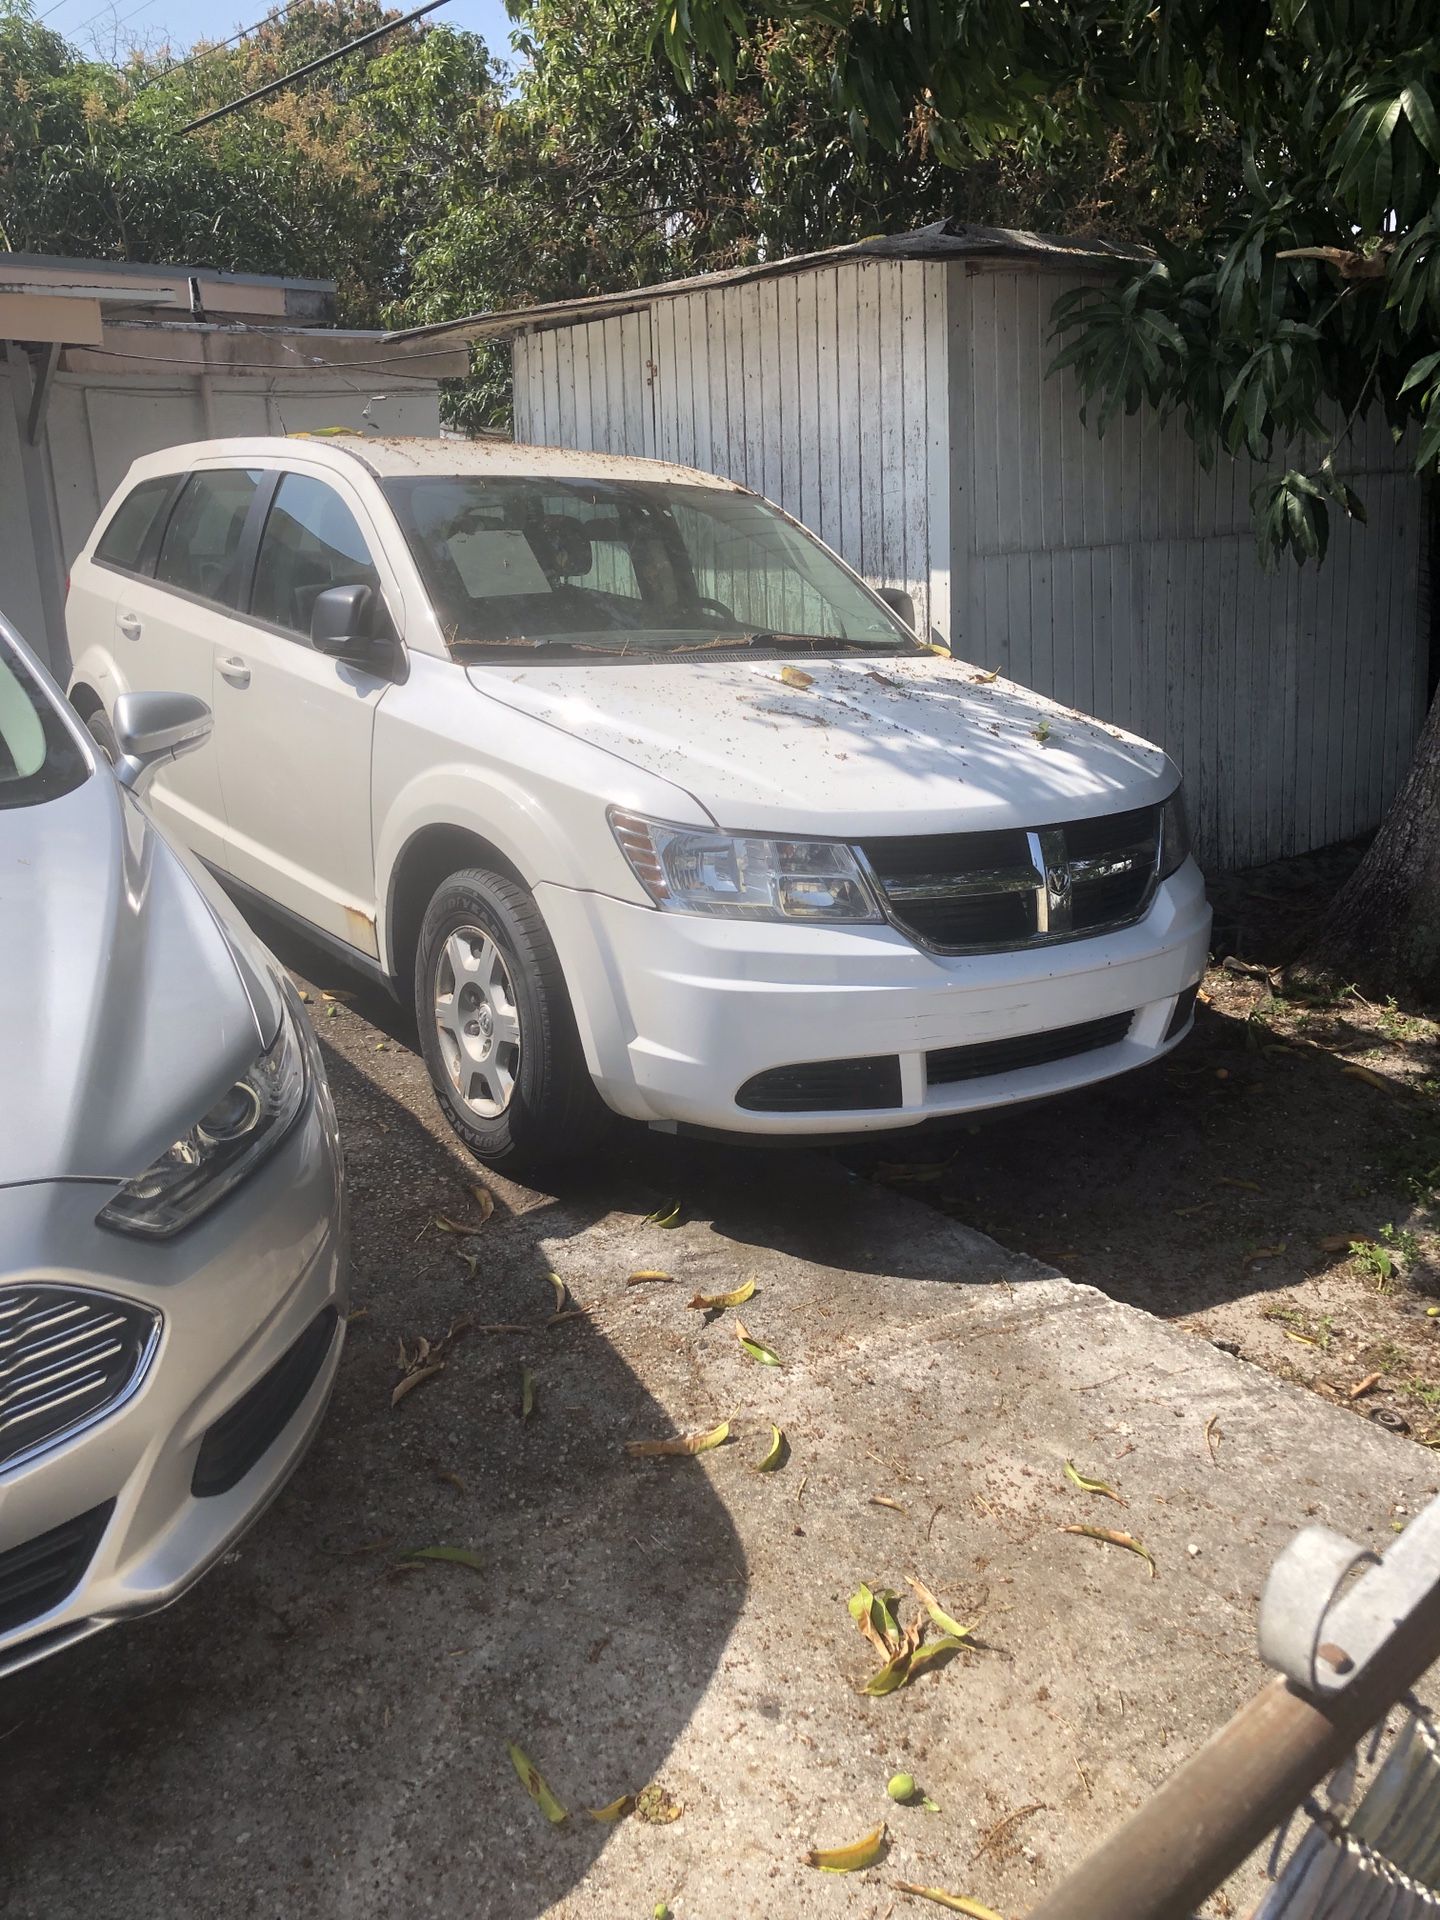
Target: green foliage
1304,291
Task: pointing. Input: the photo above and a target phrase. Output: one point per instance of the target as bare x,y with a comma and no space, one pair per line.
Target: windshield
39,757
624,567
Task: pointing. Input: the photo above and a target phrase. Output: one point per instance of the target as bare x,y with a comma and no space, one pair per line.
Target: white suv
636,788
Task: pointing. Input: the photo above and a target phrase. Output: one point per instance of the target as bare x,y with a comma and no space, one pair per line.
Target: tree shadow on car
321,1727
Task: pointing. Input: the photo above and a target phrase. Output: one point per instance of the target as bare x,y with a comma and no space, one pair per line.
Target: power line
217,46
311,66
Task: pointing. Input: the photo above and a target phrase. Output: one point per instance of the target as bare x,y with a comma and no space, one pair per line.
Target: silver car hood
124,1007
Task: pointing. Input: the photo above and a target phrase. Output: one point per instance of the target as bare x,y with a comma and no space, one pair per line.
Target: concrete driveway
320,1728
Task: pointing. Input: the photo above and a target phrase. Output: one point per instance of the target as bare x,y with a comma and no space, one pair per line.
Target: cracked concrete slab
317,1730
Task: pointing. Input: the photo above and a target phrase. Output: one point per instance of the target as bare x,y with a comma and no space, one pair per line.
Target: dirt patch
1273,1185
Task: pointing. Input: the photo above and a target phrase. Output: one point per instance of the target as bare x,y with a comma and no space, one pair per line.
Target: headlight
246,1123
737,876
1174,834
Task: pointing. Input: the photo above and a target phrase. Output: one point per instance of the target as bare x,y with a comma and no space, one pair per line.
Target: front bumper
237,1293
678,1012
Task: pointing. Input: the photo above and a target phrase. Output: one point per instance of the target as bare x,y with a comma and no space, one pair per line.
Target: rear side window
311,541
132,523
198,551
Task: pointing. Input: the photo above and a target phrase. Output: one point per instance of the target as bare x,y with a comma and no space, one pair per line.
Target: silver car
172,1220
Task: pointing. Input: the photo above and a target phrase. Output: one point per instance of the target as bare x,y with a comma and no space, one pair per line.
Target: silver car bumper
251,1302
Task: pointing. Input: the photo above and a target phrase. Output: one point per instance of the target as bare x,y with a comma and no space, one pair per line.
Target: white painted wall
97,424
900,409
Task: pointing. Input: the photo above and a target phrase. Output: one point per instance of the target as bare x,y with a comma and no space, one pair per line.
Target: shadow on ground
320,1728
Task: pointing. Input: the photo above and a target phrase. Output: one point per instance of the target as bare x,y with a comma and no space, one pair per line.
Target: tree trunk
1382,930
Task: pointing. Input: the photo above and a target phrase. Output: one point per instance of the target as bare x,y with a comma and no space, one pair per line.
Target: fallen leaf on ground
931,1651
686,1443
1370,1079
332,1013
756,1350
460,1227
852,1859
664,1216
873,1614
956,1902
712,1302
483,1199
794,677
1114,1539
570,1313
562,1292
527,1393
413,1380
356,1313
534,1784
774,1453
1257,1254
1212,1437
984,679
1247,1186
1305,1339
1185,1213
454,1556
881,1500
1338,1242
472,1261
657,1807
1091,1486
893,1675
447,1479
946,1622
616,1810
1362,1387
648,1273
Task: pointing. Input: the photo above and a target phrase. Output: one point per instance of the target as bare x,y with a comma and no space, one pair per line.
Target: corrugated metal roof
942,240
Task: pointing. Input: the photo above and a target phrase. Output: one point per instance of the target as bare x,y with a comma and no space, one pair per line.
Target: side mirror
341,623
151,728
899,601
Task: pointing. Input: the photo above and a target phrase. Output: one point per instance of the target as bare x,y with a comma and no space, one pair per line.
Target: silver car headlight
1174,834
243,1128
742,876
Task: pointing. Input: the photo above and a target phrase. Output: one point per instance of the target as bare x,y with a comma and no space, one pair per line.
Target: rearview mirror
899,601
151,728
341,623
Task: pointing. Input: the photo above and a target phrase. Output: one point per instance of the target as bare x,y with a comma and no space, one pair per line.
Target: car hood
908,745
126,1011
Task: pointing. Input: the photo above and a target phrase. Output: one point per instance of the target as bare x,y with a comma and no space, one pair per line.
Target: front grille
258,1418
37,1575
949,1064
824,1086
990,892
66,1357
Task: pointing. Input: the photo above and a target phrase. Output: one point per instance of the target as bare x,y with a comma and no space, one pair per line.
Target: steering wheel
718,608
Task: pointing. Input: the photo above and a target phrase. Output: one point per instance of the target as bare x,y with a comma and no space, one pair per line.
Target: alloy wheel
478,1021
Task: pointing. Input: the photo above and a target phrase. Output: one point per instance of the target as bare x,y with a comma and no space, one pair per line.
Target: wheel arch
85,700
429,857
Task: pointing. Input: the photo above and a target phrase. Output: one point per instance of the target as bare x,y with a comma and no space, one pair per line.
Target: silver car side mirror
151,728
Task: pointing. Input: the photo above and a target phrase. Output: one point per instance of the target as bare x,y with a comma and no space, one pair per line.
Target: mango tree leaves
681,1444
534,1784
853,1858
756,1349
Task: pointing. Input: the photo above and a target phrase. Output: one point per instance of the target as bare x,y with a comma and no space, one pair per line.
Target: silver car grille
67,1356
998,891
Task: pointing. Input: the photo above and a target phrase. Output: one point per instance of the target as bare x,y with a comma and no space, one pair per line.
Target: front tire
496,1027
102,733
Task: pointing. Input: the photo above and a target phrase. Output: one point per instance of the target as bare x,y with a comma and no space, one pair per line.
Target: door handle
235,671
129,624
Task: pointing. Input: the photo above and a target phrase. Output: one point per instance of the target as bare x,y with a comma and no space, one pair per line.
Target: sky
105,32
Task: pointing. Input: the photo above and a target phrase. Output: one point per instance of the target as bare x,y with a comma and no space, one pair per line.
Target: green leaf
534,1784
454,1556
1420,112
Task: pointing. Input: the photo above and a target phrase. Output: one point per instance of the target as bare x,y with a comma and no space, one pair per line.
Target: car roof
415,455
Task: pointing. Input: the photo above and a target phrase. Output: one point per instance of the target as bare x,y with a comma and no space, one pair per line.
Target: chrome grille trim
68,1357
1051,888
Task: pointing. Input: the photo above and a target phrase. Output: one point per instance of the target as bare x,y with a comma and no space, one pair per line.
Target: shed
893,396
106,360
